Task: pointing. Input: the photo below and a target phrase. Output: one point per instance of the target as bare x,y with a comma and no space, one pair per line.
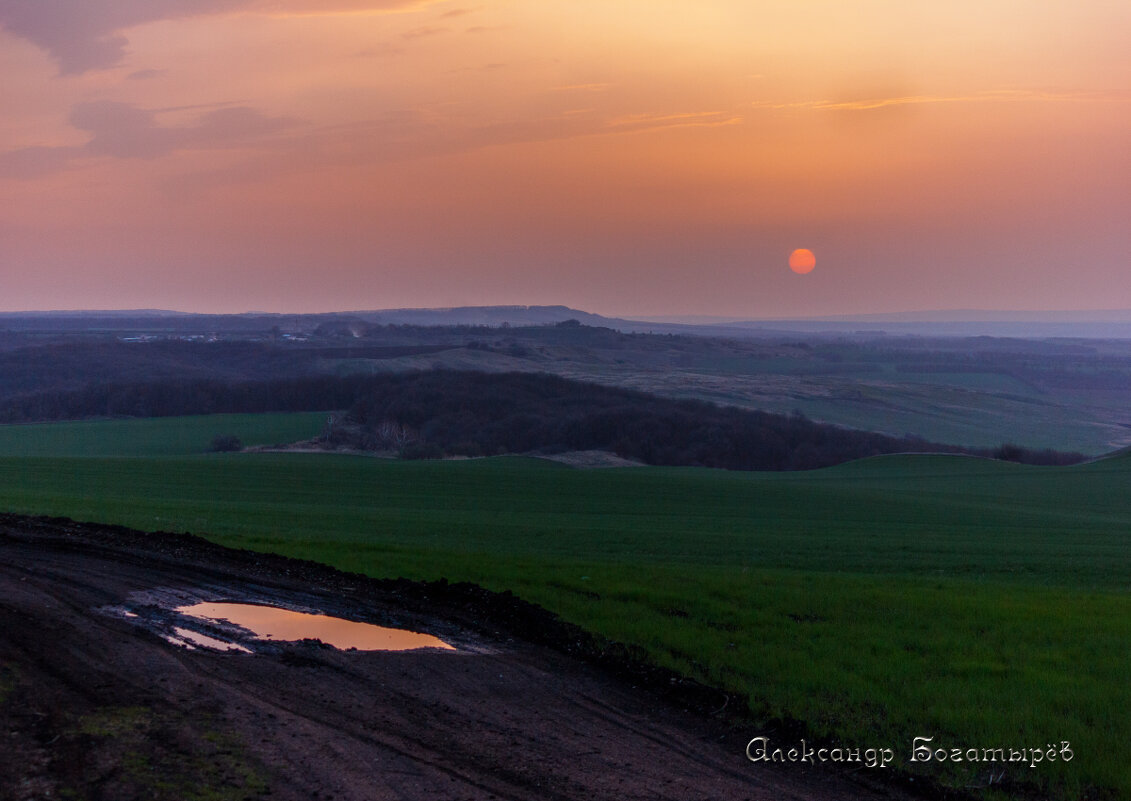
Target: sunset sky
627,157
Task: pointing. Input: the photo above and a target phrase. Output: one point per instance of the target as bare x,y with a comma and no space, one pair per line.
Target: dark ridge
438,413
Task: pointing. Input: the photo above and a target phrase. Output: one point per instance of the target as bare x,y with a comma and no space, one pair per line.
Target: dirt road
96,703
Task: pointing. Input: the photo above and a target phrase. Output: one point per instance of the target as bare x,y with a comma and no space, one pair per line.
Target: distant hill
1061,393
71,313
482,315
164,322
1089,324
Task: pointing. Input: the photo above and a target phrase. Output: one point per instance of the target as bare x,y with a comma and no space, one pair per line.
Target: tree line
445,412
483,414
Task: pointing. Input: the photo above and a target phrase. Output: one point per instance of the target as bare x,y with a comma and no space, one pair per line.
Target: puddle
272,623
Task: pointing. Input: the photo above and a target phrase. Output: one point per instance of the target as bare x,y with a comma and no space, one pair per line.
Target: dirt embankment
96,703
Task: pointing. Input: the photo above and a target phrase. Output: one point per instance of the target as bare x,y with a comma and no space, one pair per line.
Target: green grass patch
116,722
929,516
168,756
879,660
9,675
954,414
982,603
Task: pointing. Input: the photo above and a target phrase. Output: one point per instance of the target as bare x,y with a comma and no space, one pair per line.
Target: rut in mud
96,701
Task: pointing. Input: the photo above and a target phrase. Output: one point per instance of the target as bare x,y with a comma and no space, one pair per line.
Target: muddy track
95,703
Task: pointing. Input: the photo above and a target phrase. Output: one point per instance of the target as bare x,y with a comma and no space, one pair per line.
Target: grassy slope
938,407
980,409
983,603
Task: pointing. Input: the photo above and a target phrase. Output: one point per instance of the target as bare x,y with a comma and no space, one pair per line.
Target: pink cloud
119,130
89,34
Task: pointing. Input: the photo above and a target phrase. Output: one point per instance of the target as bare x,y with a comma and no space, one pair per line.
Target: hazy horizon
638,159
922,315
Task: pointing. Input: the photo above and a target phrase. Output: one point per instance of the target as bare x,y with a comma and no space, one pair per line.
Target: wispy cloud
494,66
990,96
457,12
337,8
122,131
429,132
699,119
88,35
83,35
583,87
424,31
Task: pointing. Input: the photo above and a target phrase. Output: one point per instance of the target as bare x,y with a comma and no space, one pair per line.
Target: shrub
222,443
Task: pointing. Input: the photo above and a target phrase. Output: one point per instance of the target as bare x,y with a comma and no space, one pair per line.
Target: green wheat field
983,604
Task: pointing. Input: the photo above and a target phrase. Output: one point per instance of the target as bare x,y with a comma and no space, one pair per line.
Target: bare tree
394,435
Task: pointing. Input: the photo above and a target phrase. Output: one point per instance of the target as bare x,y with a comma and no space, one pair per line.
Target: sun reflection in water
272,623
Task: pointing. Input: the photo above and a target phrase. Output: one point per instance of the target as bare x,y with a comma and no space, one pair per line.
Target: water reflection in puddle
272,623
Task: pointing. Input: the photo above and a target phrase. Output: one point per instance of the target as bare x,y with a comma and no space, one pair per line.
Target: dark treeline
30,364
70,365
436,413
199,396
478,414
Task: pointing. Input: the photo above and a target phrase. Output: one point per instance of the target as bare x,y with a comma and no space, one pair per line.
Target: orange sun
802,261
